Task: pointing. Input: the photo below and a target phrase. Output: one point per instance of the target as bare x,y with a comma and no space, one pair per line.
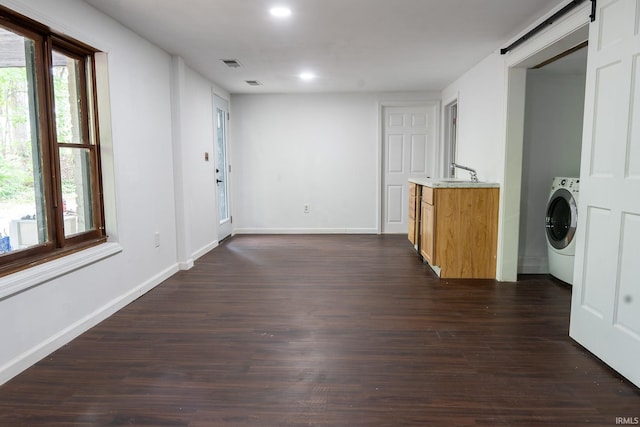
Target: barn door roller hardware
550,20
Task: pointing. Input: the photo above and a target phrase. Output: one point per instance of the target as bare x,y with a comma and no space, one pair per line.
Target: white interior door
222,167
409,151
605,310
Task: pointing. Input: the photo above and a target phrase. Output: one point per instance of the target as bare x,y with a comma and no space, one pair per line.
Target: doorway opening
559,39
552,145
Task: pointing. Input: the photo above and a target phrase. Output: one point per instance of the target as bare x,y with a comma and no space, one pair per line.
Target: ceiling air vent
253,83
231,63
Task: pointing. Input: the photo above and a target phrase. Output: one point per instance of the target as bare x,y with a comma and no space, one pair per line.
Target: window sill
25,279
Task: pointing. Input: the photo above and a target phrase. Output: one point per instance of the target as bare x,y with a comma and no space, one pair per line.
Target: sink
457,182
453,183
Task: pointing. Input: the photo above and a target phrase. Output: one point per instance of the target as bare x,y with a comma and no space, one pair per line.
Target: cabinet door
466,231
413,208
427,236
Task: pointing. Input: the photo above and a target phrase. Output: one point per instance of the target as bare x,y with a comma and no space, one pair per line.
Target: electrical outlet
307,208
156,239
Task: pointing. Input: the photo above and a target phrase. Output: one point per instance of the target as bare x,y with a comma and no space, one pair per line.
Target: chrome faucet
474,175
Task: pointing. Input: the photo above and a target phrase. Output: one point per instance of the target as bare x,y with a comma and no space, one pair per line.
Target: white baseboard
204,250
306,231
186,265
42,350
533,265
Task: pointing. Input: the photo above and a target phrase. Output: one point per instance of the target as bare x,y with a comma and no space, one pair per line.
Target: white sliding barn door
605,310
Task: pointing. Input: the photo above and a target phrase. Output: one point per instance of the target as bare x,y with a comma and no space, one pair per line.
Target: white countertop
452,183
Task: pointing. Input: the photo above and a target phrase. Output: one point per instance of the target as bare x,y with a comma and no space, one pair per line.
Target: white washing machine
560,224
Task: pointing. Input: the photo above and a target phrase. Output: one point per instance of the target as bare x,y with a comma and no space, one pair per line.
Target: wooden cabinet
427,225
414,206
459,231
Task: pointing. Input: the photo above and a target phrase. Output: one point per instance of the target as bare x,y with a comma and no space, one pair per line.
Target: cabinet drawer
427,195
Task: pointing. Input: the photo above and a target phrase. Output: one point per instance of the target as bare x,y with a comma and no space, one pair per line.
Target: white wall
200,177
481,104
295,149
552,144
140,189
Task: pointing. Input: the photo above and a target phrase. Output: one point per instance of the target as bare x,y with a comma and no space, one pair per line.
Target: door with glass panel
223,168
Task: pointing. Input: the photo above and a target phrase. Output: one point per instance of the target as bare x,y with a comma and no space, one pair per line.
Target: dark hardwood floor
325,331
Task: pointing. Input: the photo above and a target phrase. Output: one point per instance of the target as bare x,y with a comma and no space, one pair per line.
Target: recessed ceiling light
280,11
306,76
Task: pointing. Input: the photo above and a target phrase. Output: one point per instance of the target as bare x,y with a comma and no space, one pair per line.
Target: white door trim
562,35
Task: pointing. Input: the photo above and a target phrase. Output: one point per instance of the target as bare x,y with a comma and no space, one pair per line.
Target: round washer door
561,219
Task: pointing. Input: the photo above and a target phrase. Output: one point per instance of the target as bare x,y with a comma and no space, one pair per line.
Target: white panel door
605,309
409,150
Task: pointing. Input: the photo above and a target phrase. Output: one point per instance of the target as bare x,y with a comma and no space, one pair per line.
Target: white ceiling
352,45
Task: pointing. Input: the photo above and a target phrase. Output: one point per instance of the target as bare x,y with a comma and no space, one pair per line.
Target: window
50,187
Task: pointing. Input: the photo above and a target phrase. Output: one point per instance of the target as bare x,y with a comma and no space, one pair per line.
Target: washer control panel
571,184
